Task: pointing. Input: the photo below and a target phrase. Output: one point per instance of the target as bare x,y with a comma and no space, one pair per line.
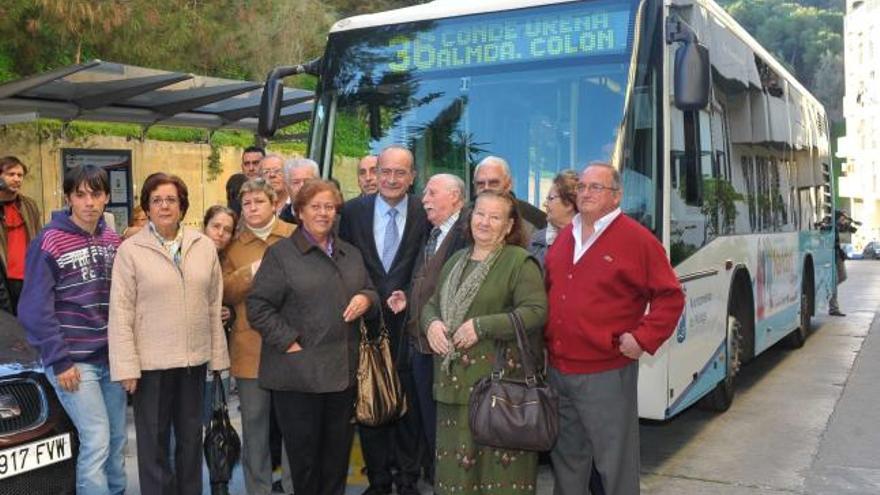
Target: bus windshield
543,87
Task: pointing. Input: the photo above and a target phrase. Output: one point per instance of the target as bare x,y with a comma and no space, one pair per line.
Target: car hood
16,355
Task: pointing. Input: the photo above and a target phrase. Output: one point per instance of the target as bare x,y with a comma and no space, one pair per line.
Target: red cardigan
606,294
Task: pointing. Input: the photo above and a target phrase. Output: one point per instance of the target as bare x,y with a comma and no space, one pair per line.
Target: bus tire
721,397
796,339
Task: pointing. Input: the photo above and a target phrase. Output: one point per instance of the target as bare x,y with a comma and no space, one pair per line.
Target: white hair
271,156
295,163
497,160
455,184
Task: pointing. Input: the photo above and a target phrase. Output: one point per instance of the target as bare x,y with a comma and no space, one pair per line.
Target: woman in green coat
468,313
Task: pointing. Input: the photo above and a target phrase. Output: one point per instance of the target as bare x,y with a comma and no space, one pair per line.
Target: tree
81,20
829,85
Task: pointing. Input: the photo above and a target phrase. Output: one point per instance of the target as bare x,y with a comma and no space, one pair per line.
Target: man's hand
466,335
69,379
130,385
437,338
397,301
630,347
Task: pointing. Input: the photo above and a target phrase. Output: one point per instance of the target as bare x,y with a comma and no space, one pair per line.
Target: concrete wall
187,160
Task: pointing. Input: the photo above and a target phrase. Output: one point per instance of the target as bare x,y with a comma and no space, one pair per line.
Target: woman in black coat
306,301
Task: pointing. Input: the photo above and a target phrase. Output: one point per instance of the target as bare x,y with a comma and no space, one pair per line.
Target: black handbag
222,445
514,414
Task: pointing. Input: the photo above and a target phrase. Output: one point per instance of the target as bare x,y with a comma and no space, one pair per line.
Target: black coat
298,295
356,227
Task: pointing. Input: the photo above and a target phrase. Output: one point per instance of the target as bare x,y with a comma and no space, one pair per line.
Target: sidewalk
848,460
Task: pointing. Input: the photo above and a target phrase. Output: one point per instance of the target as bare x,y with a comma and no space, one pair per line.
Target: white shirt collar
598,228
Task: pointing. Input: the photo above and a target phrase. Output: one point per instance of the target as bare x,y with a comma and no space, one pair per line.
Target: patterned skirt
463,467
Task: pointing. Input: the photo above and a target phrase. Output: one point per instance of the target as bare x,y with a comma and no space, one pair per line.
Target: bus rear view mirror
691,70
272,98
691,76
270,107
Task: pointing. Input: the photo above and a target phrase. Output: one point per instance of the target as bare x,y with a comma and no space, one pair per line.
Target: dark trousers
167,399
396,444
423,381
14,285
317,432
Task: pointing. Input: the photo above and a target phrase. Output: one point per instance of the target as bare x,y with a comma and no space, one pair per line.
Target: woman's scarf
456,296
173,246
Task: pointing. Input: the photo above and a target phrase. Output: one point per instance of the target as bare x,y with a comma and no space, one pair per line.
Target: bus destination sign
524,39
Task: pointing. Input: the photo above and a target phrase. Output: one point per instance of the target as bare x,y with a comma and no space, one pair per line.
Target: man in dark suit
389,228
493,173
297,172
443,199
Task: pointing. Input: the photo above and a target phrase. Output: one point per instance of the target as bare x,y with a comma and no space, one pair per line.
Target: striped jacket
65,300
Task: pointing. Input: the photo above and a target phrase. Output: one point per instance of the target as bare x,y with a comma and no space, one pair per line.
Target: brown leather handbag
514,414
380,397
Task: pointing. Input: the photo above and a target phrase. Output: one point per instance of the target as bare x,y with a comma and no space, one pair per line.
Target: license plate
30,456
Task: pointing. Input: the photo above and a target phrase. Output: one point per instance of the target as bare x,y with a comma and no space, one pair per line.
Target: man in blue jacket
64,307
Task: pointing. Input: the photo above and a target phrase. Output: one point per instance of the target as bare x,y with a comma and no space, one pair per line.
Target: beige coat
237,279
161,317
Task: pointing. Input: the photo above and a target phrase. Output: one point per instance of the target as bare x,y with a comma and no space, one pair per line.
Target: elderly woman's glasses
169,201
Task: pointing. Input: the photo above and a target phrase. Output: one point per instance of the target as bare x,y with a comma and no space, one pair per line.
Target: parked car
871,251
850,251
38,442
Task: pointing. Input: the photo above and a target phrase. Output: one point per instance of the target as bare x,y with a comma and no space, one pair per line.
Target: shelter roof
111,92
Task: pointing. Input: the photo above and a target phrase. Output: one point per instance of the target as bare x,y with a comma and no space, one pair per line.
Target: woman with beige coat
164,330
260,229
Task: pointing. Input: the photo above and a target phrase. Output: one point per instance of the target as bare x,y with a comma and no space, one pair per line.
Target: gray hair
295,163
258,185
496,160
398,147
455,184
615,174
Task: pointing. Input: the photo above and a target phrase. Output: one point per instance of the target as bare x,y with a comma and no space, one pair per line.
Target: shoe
836,312
277,487
377,490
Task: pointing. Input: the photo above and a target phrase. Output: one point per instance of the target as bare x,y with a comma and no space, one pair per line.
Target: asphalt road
803,421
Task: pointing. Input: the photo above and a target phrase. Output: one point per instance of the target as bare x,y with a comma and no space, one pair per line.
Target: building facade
859,188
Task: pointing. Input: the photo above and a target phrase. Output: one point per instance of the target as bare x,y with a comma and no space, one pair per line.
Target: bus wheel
721,397
796,339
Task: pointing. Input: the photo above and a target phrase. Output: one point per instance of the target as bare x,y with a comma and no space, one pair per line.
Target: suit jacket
426,275
356,227
288,215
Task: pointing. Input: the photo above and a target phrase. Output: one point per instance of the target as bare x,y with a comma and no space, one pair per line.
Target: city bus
723,155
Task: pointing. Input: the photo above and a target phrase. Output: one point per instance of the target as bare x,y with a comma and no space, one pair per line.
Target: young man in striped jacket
64,309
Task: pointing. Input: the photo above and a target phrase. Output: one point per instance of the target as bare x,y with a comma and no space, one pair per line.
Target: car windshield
543,87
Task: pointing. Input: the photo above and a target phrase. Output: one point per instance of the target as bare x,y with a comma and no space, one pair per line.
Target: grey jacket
298,295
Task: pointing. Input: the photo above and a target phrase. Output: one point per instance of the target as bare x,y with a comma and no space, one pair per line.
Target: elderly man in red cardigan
603,272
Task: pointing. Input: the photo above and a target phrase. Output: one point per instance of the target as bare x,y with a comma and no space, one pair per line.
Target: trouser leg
256,413
152,402
573,453
423,376
115,400
188,429
337,432
408,436
301,432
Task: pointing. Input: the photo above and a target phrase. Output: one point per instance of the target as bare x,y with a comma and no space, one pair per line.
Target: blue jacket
65,300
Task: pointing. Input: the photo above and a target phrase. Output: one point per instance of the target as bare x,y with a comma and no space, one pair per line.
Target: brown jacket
161,317
33,222
237,279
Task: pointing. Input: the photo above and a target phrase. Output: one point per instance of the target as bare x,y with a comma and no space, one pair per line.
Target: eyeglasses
493,183
396,173
271,172
551,197
316,208
169,201
594,188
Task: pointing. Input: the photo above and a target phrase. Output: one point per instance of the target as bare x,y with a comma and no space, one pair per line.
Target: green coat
515,283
